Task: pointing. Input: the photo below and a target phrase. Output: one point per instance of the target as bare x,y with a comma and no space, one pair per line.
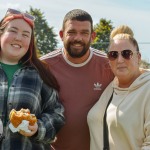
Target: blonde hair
123,32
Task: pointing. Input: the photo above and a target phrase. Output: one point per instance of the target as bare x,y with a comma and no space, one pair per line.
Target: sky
134,13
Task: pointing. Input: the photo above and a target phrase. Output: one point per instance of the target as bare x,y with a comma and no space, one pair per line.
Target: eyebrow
23,31
84,30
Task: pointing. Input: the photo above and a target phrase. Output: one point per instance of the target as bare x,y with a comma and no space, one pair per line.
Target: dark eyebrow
86,30
26,32
23,31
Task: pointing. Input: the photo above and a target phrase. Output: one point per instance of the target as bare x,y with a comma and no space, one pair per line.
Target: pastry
16,117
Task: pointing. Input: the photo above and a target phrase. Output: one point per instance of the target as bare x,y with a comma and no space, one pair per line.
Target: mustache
77,42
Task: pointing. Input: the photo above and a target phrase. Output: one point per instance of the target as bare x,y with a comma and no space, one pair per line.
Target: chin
121,74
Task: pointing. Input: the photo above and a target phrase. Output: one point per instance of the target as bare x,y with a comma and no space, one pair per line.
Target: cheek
136,63
112,65
5,39
67,40
26,44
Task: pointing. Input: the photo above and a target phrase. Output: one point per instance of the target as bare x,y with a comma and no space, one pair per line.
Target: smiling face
77,37
14,41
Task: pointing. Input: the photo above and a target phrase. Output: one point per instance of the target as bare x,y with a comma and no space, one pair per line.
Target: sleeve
52,116
146,140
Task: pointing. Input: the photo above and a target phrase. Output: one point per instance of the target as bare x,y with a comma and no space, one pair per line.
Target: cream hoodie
128,116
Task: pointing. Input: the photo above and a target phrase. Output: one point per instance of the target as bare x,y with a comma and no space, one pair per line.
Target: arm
51,118
146,140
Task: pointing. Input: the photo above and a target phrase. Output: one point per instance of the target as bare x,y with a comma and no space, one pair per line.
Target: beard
76,52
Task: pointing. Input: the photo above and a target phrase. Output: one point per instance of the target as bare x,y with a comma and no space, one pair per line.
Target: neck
126,82
8,61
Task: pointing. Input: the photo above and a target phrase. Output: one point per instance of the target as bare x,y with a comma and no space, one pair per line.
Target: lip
16,45
77,45
121,67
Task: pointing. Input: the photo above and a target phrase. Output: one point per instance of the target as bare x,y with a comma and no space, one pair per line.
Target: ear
139,57
61,34
93,36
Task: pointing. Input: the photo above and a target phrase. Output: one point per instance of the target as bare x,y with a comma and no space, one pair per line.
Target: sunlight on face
15,41
77,37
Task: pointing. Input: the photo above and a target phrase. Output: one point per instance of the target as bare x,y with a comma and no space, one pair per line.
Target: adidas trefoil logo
97,86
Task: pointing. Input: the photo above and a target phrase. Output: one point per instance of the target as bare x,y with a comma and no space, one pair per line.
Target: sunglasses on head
17,12
126,54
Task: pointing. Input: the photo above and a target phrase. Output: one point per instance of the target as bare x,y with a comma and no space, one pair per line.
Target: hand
33,129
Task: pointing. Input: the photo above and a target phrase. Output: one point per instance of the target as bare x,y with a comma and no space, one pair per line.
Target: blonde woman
125,103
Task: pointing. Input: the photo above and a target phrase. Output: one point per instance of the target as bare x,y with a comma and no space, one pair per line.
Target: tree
45,36
102,30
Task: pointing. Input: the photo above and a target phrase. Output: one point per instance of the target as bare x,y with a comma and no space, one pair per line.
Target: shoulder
29,72
100,56
99,53
52,57
52,54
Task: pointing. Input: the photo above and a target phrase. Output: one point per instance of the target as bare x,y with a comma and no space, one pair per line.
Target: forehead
19,24
77,25
121,44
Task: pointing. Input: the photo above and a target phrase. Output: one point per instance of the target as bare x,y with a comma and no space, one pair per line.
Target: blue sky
134,13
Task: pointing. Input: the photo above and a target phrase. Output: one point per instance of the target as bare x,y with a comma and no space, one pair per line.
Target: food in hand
16,117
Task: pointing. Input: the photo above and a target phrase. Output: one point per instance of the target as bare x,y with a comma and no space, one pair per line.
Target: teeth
77,44
16,45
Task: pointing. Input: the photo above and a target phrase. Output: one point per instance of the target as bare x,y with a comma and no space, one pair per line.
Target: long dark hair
31,58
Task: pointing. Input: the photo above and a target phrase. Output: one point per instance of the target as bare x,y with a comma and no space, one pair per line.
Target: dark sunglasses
16,12
126,54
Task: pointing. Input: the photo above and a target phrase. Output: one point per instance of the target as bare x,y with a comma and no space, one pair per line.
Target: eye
25,35
71,32
85,33
12,30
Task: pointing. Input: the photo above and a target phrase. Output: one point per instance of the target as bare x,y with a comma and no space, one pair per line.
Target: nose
78,37
18,36
120,58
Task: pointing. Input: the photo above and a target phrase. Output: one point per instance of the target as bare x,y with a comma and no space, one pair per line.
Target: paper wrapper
23,126
1,127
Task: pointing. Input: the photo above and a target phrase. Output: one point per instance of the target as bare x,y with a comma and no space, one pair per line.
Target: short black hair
79,15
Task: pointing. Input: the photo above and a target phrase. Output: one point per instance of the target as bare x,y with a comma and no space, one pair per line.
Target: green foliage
45,36
102,29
